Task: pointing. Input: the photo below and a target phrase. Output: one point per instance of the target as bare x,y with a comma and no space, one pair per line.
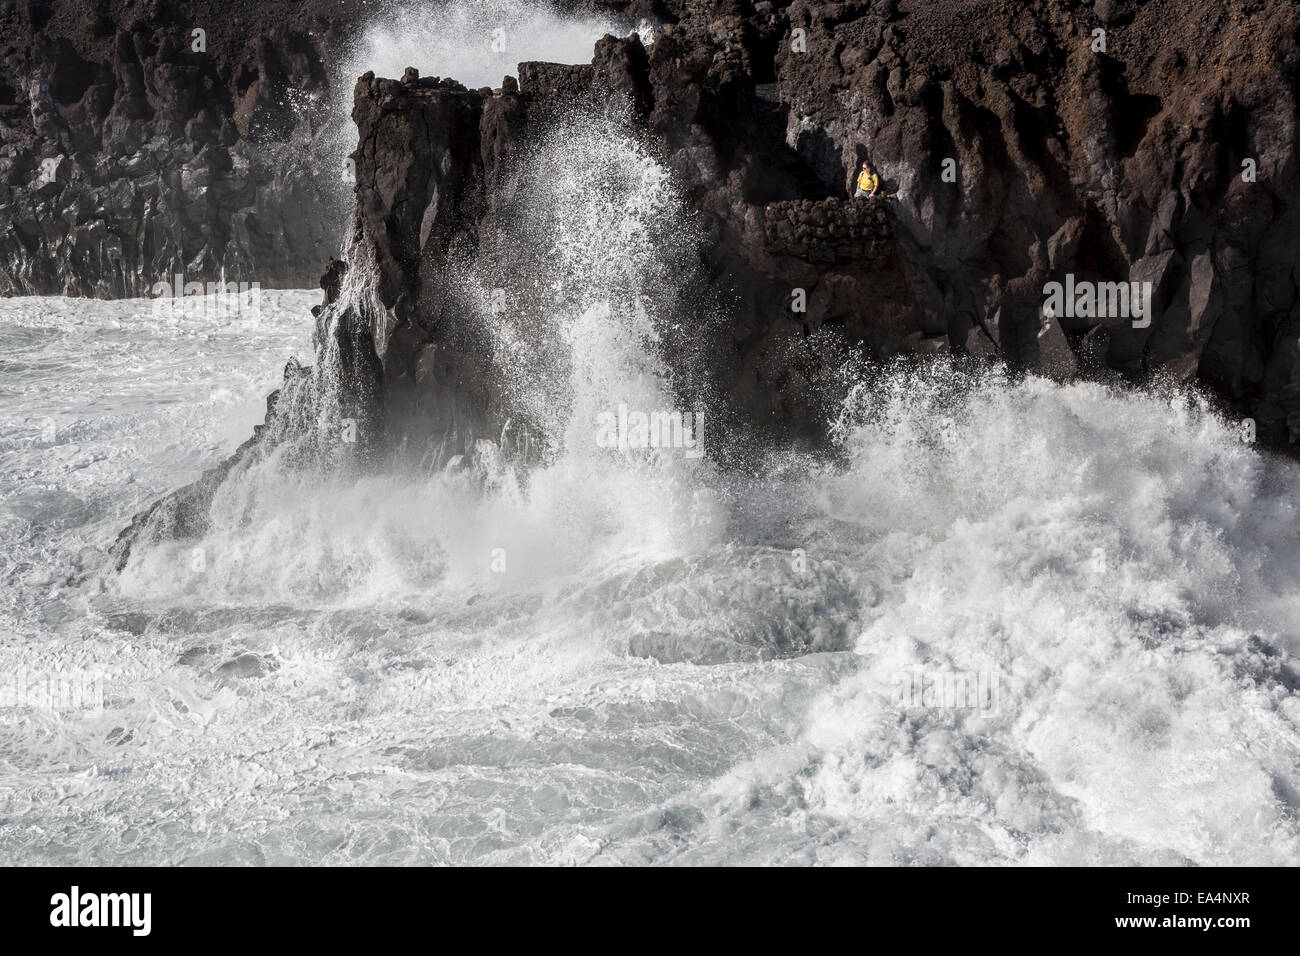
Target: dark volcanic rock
1014,150
827,230
133,149
1131,162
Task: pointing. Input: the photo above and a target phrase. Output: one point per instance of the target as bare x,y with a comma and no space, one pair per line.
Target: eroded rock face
420,196
1018,144
133,149
1114,142
828,230
1014,150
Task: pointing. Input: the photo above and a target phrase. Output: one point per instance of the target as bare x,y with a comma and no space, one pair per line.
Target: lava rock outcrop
142,140
1017,142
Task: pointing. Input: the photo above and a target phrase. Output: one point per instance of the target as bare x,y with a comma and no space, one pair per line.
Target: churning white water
1015,622
347,680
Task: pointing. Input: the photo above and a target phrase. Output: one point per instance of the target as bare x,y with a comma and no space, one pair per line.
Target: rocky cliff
1019,143
143,140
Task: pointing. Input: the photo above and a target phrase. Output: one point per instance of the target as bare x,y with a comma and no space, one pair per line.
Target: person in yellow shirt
868,183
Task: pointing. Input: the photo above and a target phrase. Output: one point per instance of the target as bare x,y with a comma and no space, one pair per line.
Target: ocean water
346,678
1009,622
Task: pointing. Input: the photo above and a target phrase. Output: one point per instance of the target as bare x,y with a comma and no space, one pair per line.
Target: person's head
866,167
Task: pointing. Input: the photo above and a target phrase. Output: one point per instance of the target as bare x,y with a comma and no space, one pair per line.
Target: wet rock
1010,156
167,159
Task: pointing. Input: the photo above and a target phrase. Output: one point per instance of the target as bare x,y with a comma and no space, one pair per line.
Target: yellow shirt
867,181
